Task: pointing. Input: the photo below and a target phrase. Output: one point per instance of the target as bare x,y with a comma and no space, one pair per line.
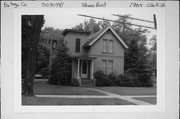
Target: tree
31,28
136,57
43,60
153,51
60,73
104,23
90,25
123,26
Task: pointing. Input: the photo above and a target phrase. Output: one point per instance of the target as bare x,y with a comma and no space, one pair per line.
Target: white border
160,13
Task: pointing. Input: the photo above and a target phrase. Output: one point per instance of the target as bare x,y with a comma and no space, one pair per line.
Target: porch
83,69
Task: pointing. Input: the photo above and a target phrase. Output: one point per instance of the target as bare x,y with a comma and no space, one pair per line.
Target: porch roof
83,57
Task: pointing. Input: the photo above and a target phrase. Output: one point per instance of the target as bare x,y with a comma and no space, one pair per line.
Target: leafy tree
153,51
104,23
60,73
123,26
31,28
90,25
43,61
79,27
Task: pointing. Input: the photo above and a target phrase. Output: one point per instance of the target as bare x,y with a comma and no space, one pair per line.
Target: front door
84,69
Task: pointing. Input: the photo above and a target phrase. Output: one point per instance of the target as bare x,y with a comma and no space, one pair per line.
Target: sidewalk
129,98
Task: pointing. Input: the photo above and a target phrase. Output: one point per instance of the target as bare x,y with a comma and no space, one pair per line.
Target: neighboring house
50,39
103,50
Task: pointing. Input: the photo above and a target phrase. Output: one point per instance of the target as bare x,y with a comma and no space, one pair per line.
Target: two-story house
103,50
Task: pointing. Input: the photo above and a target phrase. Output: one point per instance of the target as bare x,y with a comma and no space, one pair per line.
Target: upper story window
77,45
108,46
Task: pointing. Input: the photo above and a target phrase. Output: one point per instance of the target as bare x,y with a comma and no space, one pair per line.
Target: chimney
91,27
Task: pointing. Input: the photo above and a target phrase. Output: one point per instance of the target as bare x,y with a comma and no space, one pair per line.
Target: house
89,52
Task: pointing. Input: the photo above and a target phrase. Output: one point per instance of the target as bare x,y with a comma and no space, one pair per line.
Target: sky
69,20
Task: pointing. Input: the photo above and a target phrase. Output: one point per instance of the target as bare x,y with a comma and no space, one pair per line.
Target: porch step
87,83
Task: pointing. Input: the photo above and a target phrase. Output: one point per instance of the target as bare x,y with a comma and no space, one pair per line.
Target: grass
43,88
130,90
73,101
151,100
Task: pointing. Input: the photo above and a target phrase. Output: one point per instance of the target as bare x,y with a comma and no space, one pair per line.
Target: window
108,46
104,65
111,46
110,66
107,66
104,45
77,45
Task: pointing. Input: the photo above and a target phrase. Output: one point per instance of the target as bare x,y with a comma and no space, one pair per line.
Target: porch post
78,77
92,69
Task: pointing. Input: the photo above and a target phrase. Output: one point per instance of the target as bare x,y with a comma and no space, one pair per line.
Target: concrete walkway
109,95
127,98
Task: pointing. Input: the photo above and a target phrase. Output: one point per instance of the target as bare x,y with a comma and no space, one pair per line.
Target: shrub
130,81
113,79
75,82
102,79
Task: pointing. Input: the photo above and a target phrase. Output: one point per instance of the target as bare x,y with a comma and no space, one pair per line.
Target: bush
113,79
102,79
112,76
131,81
75,82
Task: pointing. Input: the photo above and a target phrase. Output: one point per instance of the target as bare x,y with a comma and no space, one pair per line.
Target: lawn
130,90
151,100
43,88
73,101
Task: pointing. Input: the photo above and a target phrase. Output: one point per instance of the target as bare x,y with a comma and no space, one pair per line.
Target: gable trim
117,36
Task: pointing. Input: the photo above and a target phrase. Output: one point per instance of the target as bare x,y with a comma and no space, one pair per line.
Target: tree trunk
31,55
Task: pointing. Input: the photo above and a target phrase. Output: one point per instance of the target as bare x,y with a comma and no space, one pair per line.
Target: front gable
100,33
108,38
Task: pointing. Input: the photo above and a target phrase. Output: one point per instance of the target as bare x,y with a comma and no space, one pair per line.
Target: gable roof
97,35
